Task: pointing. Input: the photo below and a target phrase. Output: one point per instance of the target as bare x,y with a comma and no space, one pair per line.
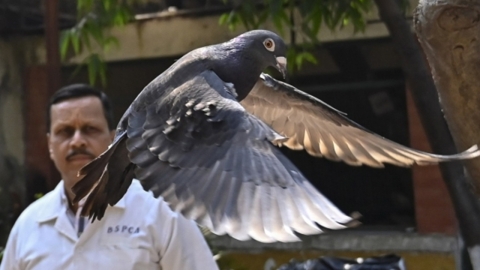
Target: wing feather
310,124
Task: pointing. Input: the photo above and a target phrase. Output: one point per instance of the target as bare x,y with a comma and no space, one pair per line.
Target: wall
419,252
11,137
158,37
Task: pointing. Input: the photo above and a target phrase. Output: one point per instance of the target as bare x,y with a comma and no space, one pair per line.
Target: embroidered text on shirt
123,229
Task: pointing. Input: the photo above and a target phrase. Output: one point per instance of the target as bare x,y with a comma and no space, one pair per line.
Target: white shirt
139,232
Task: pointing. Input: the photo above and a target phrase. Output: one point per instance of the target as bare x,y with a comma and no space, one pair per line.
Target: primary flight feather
203,135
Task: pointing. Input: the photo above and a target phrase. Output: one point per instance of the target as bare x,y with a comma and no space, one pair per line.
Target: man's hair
81,90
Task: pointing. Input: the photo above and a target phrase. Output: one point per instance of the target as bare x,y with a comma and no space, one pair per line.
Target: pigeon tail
106,180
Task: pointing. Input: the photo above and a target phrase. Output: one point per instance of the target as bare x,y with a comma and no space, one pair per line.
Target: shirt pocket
129,252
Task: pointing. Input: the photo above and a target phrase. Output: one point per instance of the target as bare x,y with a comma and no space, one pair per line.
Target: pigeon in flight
204,136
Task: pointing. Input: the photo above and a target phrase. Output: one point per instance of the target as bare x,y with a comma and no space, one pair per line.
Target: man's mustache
79,152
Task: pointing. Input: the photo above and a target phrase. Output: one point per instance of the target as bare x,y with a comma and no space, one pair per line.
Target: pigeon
204,135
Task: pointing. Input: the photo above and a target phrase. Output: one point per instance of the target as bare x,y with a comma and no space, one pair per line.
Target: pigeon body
204,136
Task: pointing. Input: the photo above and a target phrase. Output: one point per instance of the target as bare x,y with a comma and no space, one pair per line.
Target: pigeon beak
282,65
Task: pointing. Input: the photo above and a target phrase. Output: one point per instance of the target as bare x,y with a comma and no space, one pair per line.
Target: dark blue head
246,56
267,47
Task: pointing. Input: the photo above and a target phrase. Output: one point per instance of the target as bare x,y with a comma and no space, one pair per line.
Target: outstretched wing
214,162
323,131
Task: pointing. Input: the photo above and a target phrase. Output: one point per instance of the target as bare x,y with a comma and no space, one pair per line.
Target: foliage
94,20
333,14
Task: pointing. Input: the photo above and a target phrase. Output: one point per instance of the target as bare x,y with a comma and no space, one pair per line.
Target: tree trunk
467,208
449,32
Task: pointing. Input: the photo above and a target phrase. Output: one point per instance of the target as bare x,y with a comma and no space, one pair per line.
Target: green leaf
291,55
64,42
103,73
276,9
109,42
309,57
121,16
85,38
233,20
93,68
107,4
224,18
316,21
84,5
298,61
75,42
96,68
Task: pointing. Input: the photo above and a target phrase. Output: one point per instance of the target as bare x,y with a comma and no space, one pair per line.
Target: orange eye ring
269,44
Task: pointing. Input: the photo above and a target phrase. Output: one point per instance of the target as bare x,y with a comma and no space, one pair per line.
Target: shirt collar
56,202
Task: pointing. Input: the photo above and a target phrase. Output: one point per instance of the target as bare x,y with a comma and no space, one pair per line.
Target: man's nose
78,140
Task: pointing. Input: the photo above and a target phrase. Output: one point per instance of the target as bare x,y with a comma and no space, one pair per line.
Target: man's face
78,133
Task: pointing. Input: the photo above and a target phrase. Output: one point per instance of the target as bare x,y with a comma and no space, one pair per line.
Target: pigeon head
268,48
246,56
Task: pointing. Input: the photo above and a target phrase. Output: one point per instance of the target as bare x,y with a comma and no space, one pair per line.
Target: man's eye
90,129
64,131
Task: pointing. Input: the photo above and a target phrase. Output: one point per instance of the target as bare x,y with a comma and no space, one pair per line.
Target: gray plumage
203,135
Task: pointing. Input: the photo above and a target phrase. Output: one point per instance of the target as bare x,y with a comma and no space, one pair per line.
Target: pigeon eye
269,44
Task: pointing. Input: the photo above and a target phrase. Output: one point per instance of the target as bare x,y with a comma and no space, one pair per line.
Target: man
139,232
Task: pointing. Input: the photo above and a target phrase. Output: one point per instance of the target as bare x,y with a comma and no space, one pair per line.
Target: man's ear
49,146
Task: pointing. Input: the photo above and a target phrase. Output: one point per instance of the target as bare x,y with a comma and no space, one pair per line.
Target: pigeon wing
323,131
215,163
